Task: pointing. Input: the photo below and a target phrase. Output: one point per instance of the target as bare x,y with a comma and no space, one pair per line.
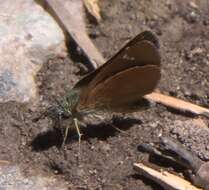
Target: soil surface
107,154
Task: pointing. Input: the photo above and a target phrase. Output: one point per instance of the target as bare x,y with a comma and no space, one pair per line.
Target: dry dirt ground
107,155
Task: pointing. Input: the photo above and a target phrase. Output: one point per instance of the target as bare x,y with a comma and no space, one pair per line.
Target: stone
11,178
29,36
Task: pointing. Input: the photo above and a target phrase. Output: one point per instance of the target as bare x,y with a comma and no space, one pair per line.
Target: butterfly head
66,107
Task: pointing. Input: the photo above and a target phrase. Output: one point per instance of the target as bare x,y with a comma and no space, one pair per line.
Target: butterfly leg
78,132
65,134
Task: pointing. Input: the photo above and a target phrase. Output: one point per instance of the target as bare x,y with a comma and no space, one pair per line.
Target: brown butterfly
118,84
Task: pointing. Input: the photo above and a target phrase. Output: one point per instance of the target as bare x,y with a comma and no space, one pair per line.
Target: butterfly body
129,75
119,84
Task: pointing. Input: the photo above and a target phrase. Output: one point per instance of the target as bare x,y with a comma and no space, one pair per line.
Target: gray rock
12,179
29,36
194,134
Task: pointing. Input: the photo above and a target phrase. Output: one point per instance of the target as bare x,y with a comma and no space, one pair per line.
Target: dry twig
70,16
165,179
177,104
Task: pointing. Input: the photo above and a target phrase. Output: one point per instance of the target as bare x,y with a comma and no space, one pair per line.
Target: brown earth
107,155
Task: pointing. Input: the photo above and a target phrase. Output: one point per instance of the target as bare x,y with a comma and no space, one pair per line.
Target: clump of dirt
107,155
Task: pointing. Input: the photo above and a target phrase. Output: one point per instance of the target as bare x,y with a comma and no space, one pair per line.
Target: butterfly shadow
44,141
101,131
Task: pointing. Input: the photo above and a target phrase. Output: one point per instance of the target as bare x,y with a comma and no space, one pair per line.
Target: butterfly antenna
119,130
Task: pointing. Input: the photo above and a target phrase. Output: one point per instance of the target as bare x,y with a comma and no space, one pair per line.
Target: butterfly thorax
65,108
70,102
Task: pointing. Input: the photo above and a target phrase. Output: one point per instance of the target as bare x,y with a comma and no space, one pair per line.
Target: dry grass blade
165,179
93,8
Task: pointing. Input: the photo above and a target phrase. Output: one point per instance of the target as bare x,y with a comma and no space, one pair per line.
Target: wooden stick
70,16
165,179
178,104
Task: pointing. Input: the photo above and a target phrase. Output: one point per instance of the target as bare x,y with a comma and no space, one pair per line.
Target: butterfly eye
65,114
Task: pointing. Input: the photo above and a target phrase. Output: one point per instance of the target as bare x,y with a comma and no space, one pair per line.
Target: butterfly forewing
101,72
138,54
